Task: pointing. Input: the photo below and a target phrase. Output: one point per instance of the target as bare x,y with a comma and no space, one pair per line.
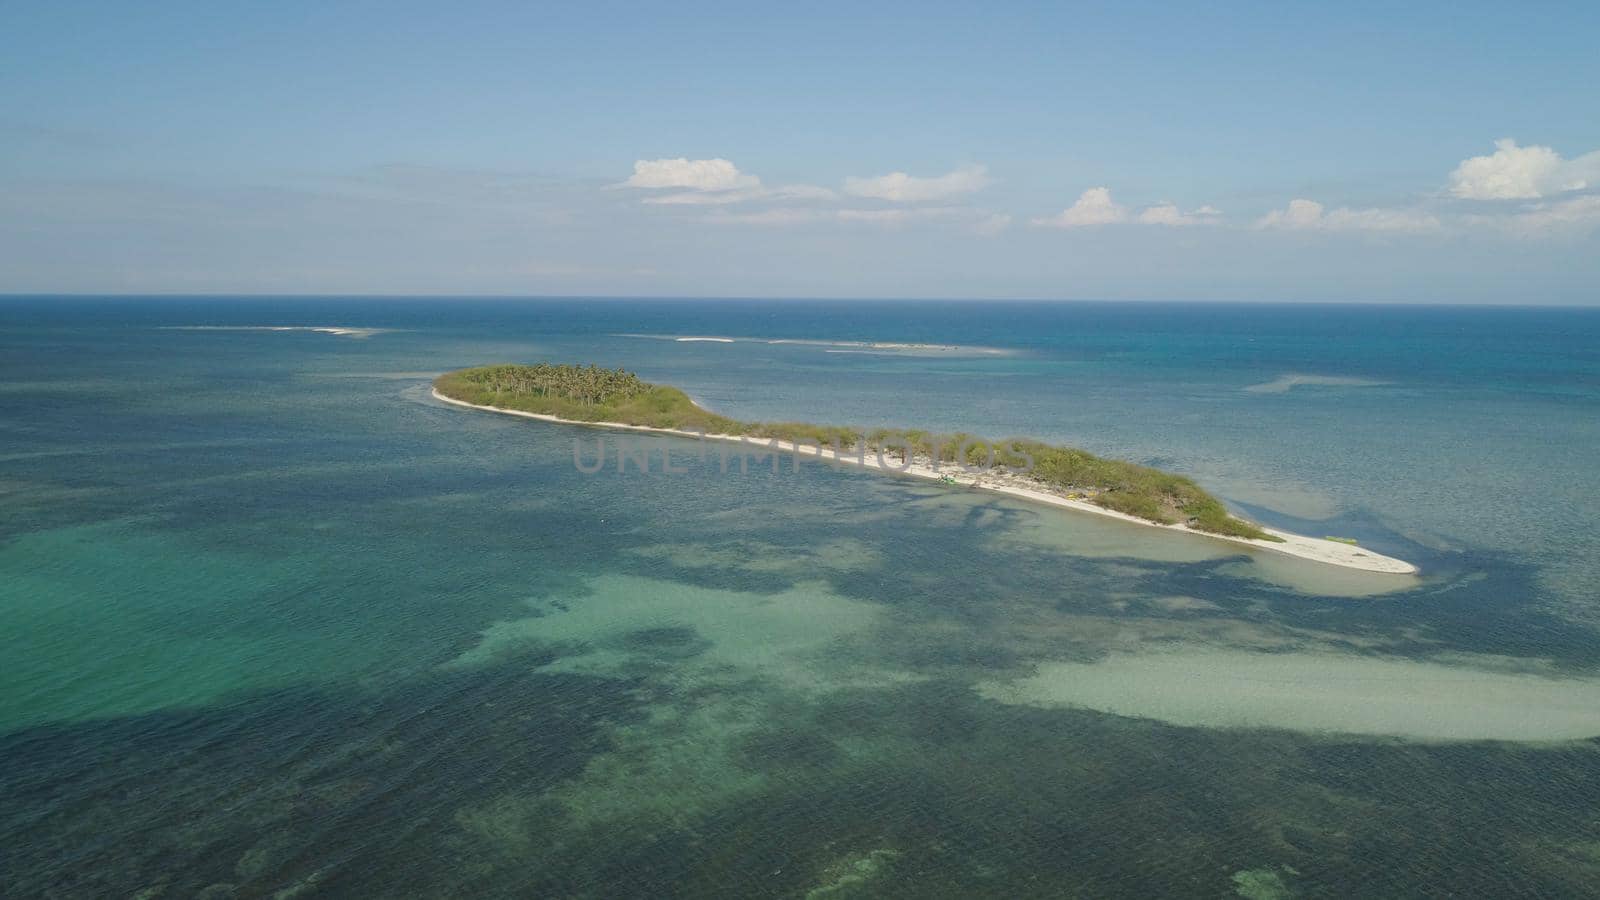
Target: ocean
274,622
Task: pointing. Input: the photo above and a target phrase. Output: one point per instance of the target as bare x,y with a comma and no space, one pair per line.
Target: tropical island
1062,476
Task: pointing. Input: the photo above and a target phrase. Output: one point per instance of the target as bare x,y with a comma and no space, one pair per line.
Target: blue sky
1132,150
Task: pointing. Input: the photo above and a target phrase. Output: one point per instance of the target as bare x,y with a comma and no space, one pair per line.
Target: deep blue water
274,620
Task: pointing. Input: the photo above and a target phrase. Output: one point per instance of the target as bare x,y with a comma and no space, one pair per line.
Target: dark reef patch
347,791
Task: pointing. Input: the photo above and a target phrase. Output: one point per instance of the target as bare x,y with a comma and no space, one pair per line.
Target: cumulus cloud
1309,215
898,187
691,174
1095,207
1523,173
719,183
711,182
1301,214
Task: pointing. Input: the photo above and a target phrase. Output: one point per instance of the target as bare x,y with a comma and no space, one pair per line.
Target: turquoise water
273,620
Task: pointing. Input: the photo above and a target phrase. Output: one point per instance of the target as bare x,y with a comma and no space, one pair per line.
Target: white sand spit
1316,549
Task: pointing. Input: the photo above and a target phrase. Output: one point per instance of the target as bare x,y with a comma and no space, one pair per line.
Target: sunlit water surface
274,621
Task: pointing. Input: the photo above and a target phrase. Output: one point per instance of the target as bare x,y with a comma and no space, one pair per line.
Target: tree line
583,384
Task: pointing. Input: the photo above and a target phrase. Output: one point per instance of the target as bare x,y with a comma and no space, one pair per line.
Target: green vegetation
592,394
1343,540
581,393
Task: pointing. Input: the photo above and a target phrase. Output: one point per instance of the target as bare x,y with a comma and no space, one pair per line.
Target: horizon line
194,295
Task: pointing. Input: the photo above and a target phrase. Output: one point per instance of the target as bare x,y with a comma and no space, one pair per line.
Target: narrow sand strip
1317,692
1315,549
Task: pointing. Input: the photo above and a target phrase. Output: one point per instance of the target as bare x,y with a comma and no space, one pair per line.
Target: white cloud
1572,214
1523,173
1309,215
710,182
1169,214
691,174
1301,214
1095,207
898,187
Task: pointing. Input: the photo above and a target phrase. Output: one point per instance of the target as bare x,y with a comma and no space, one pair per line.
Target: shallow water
1314,692
274,620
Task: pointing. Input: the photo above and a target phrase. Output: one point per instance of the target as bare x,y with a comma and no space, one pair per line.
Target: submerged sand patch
801,637
724,665
1317,692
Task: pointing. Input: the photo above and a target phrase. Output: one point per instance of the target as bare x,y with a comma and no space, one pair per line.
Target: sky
1369,152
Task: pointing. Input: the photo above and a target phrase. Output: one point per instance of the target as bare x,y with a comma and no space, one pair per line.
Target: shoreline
1299,546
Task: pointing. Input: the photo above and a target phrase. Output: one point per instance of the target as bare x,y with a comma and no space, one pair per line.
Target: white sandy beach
1315,549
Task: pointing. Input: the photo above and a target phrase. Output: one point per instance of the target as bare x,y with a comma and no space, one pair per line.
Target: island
1030,469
